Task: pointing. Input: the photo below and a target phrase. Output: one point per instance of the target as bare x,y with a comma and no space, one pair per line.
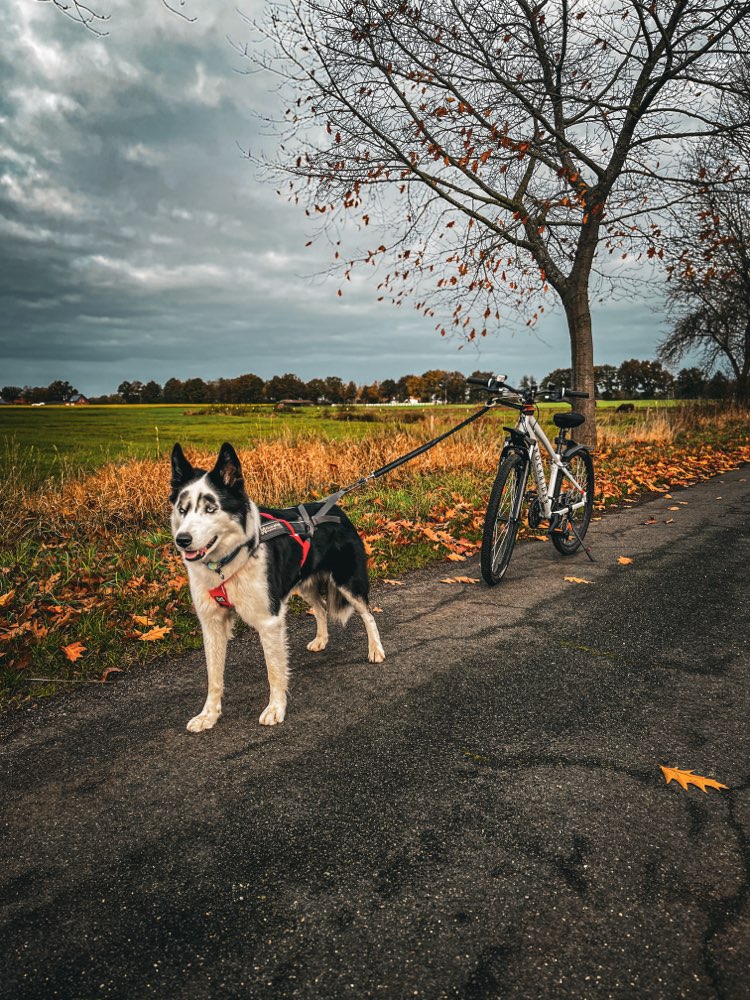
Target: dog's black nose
184,540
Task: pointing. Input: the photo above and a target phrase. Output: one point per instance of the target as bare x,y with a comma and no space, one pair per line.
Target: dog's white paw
317,644
272,715
206,720
376,654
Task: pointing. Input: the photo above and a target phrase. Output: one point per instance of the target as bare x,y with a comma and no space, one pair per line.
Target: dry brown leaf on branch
576,579
74,651
686,778
155,633
624,560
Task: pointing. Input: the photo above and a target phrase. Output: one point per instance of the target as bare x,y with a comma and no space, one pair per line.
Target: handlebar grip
574,393
485,383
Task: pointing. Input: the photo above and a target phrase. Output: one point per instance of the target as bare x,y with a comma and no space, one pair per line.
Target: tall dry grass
666,424
134,493
121,497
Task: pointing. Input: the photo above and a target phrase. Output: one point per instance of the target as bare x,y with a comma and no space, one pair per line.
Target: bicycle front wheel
581,493
502,519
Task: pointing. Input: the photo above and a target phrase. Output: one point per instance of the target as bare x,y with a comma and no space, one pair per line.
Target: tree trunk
578,314
742,389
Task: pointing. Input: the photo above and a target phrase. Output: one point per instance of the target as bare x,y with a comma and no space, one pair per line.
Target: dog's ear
182,470
228,470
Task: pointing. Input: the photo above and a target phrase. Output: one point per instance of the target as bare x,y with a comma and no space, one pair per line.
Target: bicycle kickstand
585,547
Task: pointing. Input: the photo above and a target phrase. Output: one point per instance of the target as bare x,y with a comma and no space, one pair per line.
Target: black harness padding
307,523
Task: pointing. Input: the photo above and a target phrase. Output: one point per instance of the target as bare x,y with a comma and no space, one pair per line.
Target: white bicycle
561,506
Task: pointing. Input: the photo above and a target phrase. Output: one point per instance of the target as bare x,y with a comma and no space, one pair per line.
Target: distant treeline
633,379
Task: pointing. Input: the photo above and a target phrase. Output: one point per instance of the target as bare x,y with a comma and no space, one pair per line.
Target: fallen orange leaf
455,557
5,599
624,561
576,579
108,671
74,651
686,778
674,508
155,633
394,583
143,620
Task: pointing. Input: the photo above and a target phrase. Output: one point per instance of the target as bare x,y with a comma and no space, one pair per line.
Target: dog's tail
339,609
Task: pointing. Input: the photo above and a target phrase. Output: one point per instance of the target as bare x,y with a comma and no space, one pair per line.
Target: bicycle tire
500,528
565,540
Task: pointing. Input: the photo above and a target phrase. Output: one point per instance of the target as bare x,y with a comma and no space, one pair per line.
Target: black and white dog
231,569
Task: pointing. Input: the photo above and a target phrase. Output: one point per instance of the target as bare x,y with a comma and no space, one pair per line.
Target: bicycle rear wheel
564,538
502,519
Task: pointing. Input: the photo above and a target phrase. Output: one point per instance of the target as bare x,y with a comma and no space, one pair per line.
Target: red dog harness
219,593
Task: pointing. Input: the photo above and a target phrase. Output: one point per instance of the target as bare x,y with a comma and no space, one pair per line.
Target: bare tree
708,295
94,21
498,144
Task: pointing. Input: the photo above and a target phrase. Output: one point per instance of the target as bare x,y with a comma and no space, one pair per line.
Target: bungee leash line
304,528
385,469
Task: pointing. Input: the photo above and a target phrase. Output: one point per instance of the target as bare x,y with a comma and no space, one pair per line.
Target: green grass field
69,439
62,440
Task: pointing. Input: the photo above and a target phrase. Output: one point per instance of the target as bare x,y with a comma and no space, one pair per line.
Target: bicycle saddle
568,420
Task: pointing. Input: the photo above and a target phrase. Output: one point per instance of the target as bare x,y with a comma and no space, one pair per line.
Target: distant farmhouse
78,399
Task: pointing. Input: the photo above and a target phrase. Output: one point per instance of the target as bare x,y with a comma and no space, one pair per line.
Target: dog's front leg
217,627
273,639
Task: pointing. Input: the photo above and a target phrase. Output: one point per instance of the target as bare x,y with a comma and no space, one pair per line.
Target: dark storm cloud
136,241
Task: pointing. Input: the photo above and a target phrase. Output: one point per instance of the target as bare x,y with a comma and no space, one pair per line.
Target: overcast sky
136,241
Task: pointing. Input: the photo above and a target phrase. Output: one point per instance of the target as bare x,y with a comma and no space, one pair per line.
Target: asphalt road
483,815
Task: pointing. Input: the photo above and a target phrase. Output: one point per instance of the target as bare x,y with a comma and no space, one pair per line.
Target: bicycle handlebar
493,385
572,392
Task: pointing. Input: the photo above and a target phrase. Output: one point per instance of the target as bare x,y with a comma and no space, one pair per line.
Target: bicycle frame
529,426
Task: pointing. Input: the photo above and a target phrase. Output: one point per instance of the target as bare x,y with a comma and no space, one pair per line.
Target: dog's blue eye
210,510
182,511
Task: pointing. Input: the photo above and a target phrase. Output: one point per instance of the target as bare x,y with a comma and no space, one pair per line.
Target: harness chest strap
219,593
